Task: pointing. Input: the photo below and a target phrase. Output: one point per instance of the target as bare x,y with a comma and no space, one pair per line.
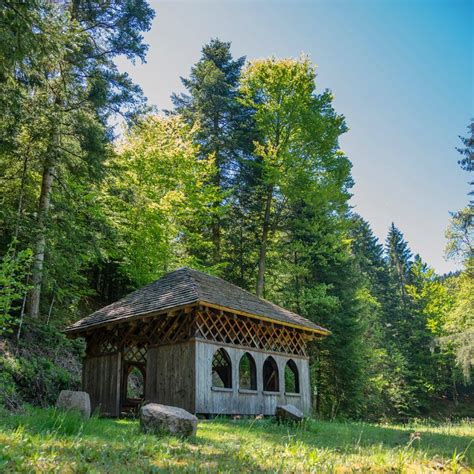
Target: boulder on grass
288,413
159,419
75,400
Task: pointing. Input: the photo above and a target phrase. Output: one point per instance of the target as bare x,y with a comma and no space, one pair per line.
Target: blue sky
401,73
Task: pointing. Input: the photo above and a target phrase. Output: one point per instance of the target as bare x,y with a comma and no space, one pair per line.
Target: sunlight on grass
48,440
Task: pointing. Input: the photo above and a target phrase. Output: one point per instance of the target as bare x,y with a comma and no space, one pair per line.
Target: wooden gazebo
199,343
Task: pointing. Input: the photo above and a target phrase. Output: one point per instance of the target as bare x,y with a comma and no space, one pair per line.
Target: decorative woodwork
220,326
133,339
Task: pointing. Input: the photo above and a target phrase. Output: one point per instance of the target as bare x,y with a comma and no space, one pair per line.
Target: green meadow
46,440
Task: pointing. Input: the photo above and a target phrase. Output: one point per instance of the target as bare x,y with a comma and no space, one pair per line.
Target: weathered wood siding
171,376
210,400
101,378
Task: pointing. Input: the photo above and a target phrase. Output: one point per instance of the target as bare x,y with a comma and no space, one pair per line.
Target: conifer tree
398,258
386,369
211,102
459,327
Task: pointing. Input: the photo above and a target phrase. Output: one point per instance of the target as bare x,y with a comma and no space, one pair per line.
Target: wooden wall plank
101,379
209,401
170,375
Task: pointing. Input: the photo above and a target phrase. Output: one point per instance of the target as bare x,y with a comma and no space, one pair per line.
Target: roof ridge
188,286
193,282
243,289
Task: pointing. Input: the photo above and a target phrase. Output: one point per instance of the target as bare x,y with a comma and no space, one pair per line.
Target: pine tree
386,389
459,326
369,253
429,369
322,283
398,258
223,132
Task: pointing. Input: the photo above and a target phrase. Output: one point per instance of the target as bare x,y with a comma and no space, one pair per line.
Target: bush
36,369
38,380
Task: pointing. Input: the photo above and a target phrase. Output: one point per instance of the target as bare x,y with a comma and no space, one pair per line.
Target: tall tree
297,140
399,258
71,87
211,102
386,392
430,303
459,327
297,193
158,195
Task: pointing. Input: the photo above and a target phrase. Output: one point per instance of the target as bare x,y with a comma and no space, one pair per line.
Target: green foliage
460,234
14,268
38,366
37,379
244,179
223,130
46,440
158,198
399,259
458,327
409,306
59,92
467,152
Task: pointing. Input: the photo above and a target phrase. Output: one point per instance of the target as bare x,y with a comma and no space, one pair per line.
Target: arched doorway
133,378
247,373
135,383
133,387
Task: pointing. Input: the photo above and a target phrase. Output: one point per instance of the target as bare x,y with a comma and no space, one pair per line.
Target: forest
242,178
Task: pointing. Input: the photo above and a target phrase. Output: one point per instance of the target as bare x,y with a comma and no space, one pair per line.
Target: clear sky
401,73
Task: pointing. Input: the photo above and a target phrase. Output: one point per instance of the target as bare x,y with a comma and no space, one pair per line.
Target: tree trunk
20,198
263,246
216,224
216,238
40,244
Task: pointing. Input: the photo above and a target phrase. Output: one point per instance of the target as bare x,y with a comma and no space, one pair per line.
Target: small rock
75,400
158,419
288,413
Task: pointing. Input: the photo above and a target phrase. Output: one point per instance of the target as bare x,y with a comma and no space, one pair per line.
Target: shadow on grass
349,438
109,445
220,444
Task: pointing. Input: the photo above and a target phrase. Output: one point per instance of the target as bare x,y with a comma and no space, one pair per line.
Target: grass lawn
44,440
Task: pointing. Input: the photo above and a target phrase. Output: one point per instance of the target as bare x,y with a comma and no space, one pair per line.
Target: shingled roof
184,287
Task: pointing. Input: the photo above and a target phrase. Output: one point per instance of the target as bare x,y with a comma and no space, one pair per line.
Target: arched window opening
221,370
135,384
247,372
270,375
292,381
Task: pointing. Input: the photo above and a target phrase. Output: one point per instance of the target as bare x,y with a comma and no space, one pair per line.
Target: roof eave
76,331
70,330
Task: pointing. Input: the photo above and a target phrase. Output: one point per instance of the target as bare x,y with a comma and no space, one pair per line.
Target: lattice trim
207,323
135,354
224,327
134,338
